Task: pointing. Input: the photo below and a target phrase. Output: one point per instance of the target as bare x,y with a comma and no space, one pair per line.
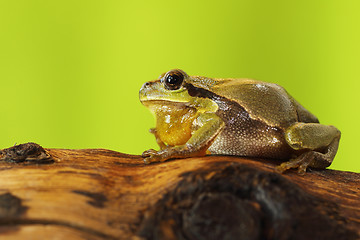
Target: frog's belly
248,141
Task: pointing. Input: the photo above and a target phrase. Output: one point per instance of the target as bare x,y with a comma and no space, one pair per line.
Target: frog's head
175,88
169,87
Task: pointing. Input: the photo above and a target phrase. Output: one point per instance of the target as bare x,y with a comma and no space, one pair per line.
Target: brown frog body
196,116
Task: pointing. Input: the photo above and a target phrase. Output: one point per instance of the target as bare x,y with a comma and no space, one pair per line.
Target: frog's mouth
159,103
154,95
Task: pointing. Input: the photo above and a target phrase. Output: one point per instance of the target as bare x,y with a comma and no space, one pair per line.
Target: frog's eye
173,80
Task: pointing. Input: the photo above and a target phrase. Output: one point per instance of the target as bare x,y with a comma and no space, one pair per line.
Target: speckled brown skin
236,117
245,136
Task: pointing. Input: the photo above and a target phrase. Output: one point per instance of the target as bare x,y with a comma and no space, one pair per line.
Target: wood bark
103,194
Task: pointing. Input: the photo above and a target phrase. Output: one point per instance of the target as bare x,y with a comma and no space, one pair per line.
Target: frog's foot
301,163
151,155
312,159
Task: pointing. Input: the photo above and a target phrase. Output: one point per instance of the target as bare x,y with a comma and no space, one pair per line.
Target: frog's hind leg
315,146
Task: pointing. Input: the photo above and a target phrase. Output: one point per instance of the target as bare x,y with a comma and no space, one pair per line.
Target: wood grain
102,194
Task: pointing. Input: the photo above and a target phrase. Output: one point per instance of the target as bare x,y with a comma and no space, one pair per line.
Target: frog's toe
302,162
147,160
151,156
148,153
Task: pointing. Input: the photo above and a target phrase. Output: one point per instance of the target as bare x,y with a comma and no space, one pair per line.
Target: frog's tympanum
196,116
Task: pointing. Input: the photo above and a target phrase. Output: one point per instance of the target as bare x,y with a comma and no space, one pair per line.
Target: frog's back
263,101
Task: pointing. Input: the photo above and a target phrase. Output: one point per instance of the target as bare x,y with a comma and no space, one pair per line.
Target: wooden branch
102,194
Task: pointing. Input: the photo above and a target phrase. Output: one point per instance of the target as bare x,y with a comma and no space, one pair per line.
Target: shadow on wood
102,194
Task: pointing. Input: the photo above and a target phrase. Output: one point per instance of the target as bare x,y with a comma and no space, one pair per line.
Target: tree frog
198,115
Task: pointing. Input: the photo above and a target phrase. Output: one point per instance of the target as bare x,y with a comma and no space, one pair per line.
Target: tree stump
102,194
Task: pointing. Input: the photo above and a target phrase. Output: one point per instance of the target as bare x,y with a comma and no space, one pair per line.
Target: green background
70,71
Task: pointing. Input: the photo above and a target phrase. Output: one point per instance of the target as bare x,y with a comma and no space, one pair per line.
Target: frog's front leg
199,142
315,144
